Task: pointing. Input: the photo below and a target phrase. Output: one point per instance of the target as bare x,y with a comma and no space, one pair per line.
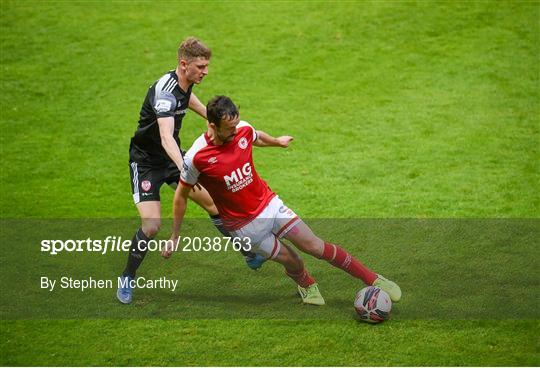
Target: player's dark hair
220,107
191,48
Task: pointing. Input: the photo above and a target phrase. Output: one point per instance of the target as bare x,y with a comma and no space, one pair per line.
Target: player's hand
169,247
284,141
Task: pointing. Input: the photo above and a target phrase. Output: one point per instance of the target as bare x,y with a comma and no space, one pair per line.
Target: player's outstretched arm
266,140
196,105
179,210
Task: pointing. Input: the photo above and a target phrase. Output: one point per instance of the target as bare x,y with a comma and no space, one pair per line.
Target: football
372,304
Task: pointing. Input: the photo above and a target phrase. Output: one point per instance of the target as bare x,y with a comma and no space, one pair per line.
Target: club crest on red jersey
243,143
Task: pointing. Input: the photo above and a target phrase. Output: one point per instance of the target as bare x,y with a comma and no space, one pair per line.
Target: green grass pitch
421,116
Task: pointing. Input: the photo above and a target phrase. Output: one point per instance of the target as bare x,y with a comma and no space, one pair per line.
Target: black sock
216,220
136,255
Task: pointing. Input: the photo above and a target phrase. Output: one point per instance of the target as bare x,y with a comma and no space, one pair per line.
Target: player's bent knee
151,230
204,201
211,209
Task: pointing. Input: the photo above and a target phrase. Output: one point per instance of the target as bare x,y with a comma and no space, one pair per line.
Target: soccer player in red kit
221,161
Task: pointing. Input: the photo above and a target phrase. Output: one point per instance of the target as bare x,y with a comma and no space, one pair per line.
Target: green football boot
311,295
389,286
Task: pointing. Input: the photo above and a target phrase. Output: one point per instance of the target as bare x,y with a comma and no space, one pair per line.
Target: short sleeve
165,104
189,174
246,124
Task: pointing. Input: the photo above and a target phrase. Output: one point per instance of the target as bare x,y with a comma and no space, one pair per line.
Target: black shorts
146,180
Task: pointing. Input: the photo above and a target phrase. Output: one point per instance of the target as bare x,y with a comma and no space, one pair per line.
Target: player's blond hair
191,48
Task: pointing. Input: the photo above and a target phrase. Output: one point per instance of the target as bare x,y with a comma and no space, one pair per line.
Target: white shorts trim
136,196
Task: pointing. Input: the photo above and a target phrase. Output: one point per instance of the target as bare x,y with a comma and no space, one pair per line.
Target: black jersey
165,98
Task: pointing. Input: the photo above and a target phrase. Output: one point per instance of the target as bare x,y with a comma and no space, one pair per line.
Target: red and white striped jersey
228,173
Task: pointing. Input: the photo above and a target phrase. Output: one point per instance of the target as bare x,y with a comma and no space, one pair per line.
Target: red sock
339,257
302,278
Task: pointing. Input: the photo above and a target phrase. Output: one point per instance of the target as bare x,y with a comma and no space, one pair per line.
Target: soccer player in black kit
155,155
